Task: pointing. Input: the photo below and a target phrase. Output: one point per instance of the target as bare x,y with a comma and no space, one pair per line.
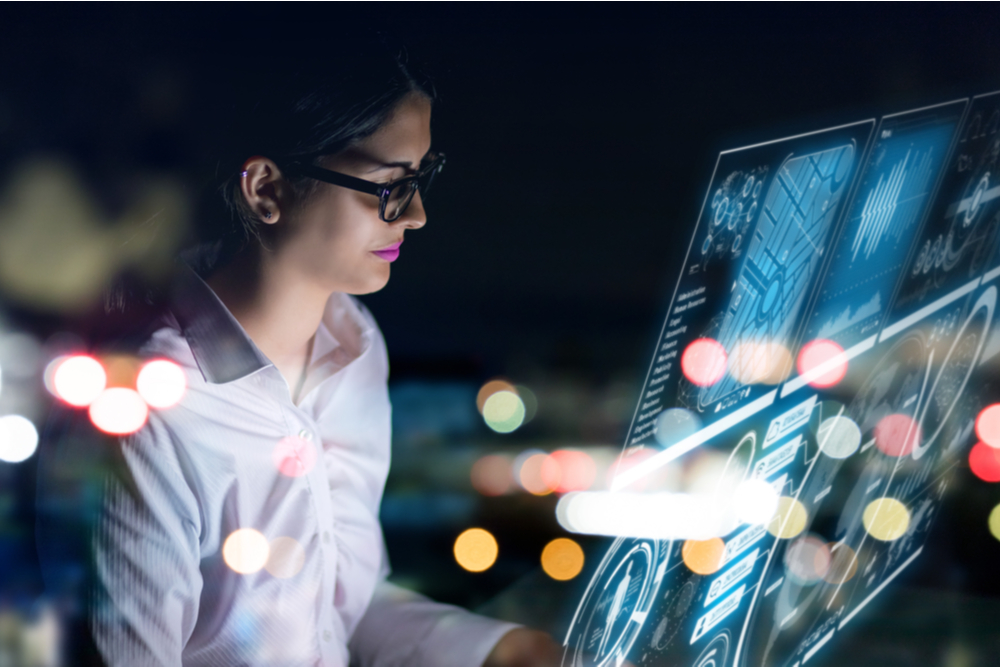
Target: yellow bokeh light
562,559
476,550
503,411
490,388
703,556
886,519
843,564
245,551
760,362
286,558
789,520
994,522
530,475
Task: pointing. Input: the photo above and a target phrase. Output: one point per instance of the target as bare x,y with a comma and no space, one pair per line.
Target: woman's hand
523,647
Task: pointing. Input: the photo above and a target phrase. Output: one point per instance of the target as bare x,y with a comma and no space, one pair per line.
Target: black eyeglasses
393,198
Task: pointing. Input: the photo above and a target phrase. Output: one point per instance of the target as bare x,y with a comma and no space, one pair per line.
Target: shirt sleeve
401,627
147,581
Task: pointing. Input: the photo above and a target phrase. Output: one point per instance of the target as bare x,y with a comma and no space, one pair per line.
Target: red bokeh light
897,435
704,362
985,462
566,470
294,456
119,411
79,380
492,475
816,353
988,425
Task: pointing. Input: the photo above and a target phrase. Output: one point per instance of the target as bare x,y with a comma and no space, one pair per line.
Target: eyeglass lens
401,195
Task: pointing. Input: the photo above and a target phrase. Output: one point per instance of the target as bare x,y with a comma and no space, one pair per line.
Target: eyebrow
391,165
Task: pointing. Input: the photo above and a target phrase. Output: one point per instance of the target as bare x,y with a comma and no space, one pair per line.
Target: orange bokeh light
567,470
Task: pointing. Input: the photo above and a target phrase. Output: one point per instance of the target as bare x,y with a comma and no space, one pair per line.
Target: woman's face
333,237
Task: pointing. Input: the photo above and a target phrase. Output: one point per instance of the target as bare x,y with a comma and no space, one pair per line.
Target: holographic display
826,338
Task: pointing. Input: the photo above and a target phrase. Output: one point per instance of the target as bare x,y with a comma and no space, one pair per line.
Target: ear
264,188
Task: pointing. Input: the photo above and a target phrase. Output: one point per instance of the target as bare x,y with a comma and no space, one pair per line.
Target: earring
243,174
267,214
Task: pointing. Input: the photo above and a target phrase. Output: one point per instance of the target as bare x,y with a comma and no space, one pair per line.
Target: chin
368,286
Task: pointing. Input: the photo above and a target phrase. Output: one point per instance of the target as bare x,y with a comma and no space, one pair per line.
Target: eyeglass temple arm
336,178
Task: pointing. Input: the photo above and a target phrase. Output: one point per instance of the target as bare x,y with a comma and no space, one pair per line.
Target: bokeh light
807,560
476,550
760,362
21,355
245,551
994,522
988,425
704,362
294,456
984,461
790,519
503,411
490,388
161,383
628,460
886,519
703,556
492,475
18,438
566,470
79,380
755,501
817,353
121,369
843,564
530,401
119,411
675,424
839,437
286,557
529,474
562,559
897,435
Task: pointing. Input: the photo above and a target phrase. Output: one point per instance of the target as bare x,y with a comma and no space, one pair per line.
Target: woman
278,453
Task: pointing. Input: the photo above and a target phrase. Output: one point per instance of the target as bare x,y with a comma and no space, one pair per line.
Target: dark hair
303,113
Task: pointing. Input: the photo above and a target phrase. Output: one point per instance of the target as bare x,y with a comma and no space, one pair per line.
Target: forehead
406,133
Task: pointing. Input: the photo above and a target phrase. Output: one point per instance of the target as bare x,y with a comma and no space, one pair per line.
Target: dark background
580,139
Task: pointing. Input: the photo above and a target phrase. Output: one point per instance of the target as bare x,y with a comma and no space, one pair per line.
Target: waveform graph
784,251
851,317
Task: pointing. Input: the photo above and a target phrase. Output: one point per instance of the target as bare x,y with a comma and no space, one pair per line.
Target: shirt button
326,635
306,434
326,536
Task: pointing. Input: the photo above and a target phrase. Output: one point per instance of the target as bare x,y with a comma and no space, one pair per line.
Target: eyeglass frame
380,190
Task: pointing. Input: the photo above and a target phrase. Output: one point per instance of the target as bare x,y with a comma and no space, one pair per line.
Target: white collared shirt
217,463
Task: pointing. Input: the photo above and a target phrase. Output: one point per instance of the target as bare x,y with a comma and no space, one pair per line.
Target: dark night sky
580,138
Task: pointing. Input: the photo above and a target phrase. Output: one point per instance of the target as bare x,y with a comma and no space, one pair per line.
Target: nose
414,217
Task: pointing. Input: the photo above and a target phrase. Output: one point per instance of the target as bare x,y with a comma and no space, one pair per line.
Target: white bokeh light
161,383
755,501
119,411
18,438
79,380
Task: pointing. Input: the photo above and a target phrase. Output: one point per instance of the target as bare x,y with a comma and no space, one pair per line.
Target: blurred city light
838,437
704,362
503,411
530,401
294,456
984,461
562,559
822,363
843,564
21,355
490,388
118,411
886,519
18,438
78,380
755,501
492,475
790,519
566,470
994,522
161,383
476,550
245,551
675,424
807,560
703,556
529,473
897,435
988,425
649,515
286,557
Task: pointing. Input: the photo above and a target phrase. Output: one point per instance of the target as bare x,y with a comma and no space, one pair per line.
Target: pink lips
390,253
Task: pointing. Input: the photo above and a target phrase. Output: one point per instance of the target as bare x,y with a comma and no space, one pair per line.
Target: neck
277,307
